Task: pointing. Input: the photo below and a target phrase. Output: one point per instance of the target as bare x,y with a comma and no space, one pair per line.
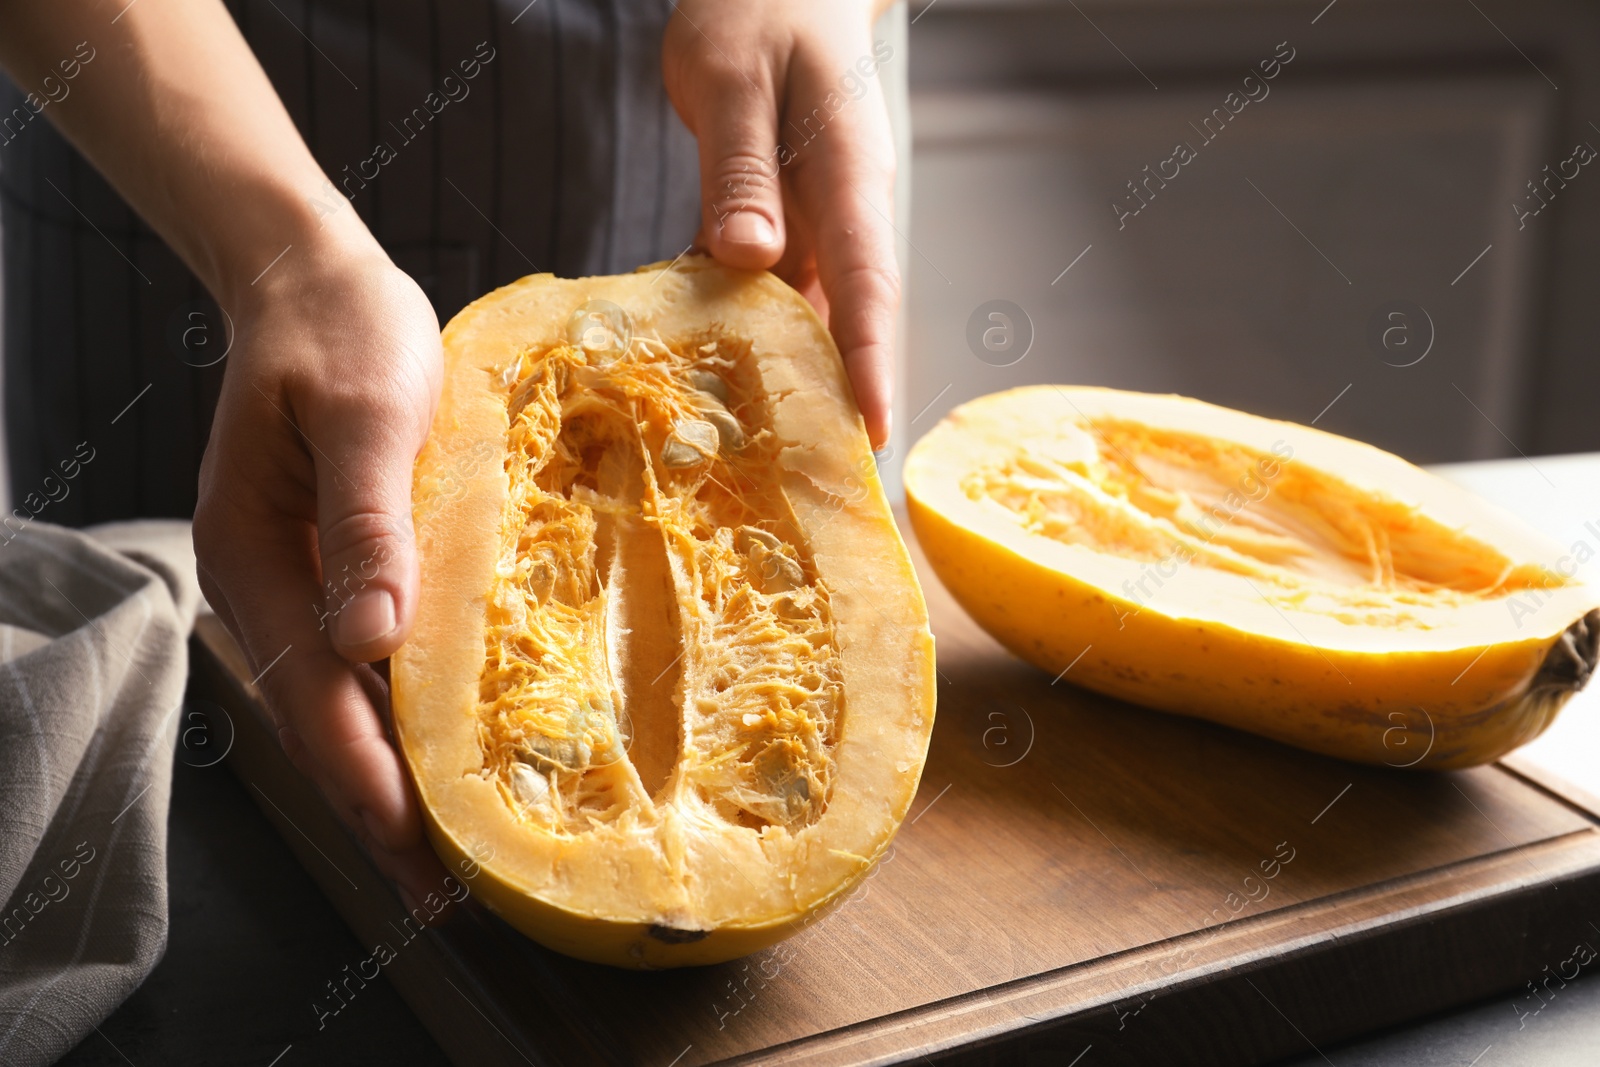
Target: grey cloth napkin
93,660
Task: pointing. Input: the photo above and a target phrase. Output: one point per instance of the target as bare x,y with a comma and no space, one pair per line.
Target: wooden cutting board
1080,882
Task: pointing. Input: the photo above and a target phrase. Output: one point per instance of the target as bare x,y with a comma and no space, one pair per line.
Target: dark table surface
253,942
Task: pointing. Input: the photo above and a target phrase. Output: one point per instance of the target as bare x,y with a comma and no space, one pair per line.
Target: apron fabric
480,141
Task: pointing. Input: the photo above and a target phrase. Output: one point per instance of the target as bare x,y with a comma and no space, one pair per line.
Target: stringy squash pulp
671,684
1260,574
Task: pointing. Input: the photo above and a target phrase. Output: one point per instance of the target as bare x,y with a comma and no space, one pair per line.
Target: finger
844,181
798,267
211,590
411,866
262,559
363,446
733,113
332,727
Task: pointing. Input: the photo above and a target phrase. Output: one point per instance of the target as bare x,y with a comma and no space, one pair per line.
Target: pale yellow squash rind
1464,690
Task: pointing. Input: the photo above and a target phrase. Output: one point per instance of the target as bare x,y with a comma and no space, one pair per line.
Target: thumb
741,199
365,539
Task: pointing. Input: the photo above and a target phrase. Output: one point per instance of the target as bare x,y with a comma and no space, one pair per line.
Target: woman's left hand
797,162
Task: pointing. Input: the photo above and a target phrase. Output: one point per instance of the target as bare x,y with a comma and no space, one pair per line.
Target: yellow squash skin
670,686
603,939
1467,688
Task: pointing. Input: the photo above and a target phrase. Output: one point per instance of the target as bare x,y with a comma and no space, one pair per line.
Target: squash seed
710,382
603,330
529,787
774,569
570,754
730,435
691,443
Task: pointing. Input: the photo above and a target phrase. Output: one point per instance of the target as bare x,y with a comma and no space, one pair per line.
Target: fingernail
367,618
885,445
747,228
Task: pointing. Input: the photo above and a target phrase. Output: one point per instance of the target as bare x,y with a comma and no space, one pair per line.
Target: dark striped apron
547,144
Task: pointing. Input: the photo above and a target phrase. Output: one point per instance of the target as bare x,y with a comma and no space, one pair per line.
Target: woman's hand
333,379
303,531
797,162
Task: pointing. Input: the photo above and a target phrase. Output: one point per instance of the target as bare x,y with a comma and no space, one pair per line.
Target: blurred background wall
1352,240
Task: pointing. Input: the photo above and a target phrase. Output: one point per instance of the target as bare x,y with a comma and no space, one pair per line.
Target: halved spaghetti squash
1260,574
671,680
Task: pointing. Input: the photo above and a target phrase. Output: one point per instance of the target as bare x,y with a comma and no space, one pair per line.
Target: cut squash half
670,687
1260,574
